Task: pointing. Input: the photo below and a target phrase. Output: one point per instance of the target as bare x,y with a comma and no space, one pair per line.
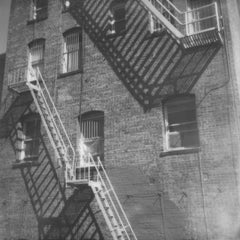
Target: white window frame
168,133
74,54
36,54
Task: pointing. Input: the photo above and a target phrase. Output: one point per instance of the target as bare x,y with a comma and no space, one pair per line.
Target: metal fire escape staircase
196,27
90,171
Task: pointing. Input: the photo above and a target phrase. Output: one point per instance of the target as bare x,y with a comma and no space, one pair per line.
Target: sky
4,15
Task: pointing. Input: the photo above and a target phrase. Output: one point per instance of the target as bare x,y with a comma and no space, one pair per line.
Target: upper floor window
117,17
165,9
72,52
39,9
36,54
31,135
92,129
180,123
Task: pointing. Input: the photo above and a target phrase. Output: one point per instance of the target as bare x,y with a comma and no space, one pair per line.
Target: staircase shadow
60,213
150,66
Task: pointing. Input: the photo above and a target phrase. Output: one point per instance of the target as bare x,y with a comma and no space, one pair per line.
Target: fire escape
170,63
60,217
150,62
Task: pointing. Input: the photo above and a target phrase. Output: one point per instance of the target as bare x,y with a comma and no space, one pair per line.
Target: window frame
26,119
40,62
114,22
98,117
39,13
66,69
178,100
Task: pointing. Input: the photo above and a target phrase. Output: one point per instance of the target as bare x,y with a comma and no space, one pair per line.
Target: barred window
181,123
36,54
39,9
92,128
72,50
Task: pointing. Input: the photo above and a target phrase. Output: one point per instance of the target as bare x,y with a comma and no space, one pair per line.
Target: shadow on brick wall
150,66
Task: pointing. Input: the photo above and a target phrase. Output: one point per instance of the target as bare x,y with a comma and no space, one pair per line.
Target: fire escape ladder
91,173
52,122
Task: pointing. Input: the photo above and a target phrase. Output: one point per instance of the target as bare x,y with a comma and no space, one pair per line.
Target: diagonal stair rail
99,182
106,197
184,19
52,121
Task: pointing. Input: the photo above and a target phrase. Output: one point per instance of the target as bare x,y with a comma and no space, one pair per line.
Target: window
39,9
92,128
117,17
201,18
155,24
181,123
72,53
36,54
31,135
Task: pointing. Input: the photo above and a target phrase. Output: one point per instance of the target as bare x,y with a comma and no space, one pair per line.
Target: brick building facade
167,109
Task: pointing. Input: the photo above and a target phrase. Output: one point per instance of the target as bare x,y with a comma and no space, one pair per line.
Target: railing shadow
149,65
58,216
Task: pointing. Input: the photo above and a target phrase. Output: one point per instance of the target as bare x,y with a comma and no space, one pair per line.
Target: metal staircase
90,172
196,27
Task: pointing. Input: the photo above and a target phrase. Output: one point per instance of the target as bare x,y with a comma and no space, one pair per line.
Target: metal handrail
185,15
107,186
66,145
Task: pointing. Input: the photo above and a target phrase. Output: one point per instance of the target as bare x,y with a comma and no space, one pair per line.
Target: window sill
32,21
29,162
63,75
179,151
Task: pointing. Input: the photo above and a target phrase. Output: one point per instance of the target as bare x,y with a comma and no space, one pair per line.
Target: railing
198,20
17,75
103,179
56,120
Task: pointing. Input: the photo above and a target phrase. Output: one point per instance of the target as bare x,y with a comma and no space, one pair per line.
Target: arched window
92,129
72,50
181,123
36,54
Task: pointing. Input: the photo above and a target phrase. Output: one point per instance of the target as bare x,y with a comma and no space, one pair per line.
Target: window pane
181,129
181,117
71,55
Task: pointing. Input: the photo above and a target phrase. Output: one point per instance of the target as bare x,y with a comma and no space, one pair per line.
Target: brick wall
182,196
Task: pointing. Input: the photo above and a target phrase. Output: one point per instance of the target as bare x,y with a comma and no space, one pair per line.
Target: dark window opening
39,9
181,123
117,17
31,136
36,54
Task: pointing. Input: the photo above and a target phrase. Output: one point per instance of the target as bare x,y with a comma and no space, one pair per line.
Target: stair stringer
52,203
